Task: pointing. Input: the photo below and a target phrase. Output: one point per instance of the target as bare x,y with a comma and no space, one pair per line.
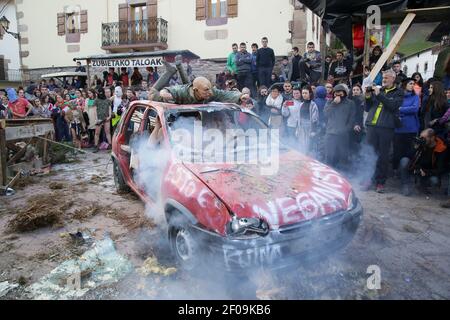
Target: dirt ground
408,238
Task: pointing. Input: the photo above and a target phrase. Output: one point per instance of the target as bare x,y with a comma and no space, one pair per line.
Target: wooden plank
390,50
3,154
23,132
19,154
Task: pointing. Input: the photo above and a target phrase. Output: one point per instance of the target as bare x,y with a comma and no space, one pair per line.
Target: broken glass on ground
101,265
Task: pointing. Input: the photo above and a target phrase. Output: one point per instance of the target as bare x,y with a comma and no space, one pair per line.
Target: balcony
140,35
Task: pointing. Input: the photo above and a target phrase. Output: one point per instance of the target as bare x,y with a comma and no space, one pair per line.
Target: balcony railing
13,75
134,32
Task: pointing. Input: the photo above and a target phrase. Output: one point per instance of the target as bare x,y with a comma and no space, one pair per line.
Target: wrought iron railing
14,75
134,32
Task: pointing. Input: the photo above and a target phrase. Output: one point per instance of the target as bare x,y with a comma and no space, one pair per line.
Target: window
73,22
217,8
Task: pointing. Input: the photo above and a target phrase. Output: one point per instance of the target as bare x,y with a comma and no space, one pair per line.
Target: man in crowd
311,65
20,107
340,69
265,60
124,78
243,62
231,60
428,164
340,113
383,107
400,76
284,72
294,65
82,79
254,68
200,91
326,66
112,76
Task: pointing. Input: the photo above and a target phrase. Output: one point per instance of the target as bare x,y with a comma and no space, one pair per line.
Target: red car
247,218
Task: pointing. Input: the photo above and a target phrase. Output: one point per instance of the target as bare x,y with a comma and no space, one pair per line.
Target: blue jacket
254,67
409,114
320,100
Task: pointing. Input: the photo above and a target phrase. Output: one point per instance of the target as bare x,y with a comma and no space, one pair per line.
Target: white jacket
293,114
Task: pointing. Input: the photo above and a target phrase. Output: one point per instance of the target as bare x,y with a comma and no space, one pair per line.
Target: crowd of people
331,109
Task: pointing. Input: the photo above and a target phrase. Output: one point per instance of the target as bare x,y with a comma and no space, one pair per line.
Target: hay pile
40,211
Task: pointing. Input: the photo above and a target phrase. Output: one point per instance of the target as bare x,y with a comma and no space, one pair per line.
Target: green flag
387,35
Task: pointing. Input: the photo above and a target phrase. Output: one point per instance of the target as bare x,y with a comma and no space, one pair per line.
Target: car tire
182,242
119,181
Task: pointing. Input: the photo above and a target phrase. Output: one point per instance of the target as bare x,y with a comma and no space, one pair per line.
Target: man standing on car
243,62
265,60
383,107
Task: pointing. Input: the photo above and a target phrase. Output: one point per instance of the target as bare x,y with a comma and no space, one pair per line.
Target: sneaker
406,191
366,185
380,188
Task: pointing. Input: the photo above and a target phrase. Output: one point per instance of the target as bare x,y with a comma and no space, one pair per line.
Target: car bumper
286,246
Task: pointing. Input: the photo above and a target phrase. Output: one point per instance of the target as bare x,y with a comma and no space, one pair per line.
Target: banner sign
129,62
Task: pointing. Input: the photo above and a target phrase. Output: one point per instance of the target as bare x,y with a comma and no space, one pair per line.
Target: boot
164,79
183,75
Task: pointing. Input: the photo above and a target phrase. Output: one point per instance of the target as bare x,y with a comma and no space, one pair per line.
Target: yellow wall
255,19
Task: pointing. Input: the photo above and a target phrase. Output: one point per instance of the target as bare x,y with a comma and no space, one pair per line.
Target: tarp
338,15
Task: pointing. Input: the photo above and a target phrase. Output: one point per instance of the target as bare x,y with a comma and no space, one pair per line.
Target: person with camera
428,164
382,105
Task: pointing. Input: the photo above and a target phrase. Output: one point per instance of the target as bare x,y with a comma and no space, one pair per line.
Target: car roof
165,107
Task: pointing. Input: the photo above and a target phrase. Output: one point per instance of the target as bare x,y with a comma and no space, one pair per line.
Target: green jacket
181,95
231,63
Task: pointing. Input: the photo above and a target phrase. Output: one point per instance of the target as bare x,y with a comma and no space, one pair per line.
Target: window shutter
200,9
83,21
152,15
123,23
232,8
61,24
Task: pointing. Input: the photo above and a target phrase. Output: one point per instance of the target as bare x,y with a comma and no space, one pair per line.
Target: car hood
302,189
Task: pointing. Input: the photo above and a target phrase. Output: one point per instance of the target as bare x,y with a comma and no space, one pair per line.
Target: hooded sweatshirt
409,114
320,100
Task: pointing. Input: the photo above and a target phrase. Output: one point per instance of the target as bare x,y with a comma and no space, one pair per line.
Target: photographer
382,105
428,164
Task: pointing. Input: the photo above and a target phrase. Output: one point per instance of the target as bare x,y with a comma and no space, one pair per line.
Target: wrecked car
271,213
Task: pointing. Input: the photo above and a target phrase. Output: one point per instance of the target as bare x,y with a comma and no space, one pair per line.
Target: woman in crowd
136,78
274,102
308,120
58,115
92,114
376,54
74,117
103,107
47,102
434,107
404,136
291,111
131,96
329,87
39,110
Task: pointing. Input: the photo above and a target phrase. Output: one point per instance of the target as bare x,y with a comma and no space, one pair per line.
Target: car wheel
182,242
119,182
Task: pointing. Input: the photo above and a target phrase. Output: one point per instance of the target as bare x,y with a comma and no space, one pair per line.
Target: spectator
327,64
5,112
131,96
329,89
400,76
375,55
262,108
103,107
287,90
124,77
446,79
82,79
356,132
91,110
404,136
19,106
243,60
111,76
294,65
308,120
58,114
231,60
51,85
274,79
339,69
429,164
136,78
274,102
311,65
291,111
320,100
435,107
285,70
74,117
254,68
38,109
340,113
47,102
383,107
152,76
265,60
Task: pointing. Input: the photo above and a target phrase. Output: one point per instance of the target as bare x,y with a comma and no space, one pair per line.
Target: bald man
199,92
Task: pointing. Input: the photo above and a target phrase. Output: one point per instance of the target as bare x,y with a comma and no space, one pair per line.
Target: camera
369,89
419,142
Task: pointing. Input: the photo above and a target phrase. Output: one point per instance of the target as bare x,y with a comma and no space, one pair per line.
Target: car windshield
214,133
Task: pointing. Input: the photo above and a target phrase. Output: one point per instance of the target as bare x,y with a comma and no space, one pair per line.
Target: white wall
9,46
313,36
421,59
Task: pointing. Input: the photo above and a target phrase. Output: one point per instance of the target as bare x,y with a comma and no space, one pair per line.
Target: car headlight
247,227
351,201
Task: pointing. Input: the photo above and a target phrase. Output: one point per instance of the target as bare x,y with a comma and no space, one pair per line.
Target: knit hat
341,87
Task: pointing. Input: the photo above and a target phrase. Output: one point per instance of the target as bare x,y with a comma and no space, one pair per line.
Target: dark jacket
359,110
391,101
400,78
265,58
320,100
340,116
243,62
409,114
433,161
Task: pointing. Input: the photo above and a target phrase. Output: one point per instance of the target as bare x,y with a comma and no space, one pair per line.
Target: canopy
64,75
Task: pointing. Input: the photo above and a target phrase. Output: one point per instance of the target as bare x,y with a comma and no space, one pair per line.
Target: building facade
10,64
53,32
423,61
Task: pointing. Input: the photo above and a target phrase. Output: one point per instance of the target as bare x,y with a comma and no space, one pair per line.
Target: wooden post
3,154
366,46
390,50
